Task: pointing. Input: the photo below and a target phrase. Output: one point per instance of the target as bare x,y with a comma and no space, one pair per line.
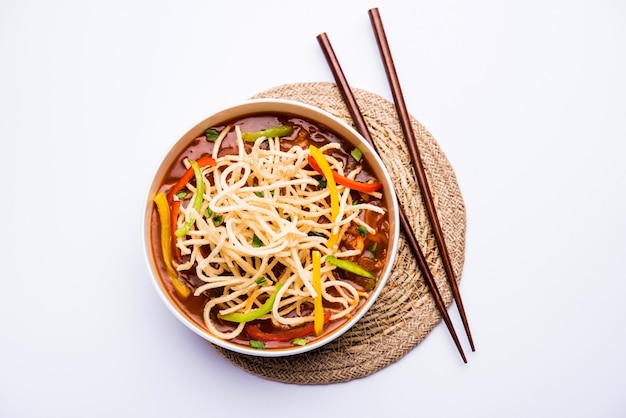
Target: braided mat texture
405,312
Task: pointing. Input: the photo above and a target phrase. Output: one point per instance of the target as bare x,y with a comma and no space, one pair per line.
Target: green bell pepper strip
273,132
197,202
255,314
350,266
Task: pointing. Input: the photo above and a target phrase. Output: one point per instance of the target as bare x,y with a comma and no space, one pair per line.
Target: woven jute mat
405,312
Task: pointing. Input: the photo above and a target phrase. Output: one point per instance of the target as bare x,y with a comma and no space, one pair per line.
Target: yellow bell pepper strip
332,188
349,266
164,217
349,183
255,314
197,202
175,210
276,131
205,161
318,308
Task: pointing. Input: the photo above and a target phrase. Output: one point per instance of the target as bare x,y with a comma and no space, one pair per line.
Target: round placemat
405,312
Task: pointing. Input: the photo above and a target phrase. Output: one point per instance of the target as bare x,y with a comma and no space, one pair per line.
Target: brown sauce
304,134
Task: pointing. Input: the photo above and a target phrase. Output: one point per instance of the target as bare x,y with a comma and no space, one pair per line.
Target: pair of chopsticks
422,181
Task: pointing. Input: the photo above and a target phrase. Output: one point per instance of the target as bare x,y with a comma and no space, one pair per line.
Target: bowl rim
268,106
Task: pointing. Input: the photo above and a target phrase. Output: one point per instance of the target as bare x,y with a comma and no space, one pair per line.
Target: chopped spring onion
299,341
357,154
259,345
182,194
373,250
256,241
211,134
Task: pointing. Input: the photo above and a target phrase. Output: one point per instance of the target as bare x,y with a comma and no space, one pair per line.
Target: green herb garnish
182,194
256,241
259,345
361,230
211,134
357,154
373,250
299,341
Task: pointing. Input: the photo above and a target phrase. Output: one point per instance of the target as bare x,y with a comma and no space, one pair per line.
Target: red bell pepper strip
254,331
189,174
349,183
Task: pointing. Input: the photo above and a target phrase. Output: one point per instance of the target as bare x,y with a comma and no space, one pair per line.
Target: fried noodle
273,216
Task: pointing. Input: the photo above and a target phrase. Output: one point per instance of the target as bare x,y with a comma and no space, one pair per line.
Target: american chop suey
270,231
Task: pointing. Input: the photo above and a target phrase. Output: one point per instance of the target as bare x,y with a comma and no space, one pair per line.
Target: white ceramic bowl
272,106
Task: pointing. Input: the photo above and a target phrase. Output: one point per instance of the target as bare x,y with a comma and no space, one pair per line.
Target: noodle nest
262,215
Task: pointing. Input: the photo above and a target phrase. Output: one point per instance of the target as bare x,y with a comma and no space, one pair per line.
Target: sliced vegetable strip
348,265
164,217
197,202
327,172
349,183
273,132
318,308
189,174
255,314
173,226
254,331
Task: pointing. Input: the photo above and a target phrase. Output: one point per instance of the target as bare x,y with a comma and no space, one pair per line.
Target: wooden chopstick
361,126
409,137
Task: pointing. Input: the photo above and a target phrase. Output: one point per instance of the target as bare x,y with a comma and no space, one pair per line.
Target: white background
526,98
